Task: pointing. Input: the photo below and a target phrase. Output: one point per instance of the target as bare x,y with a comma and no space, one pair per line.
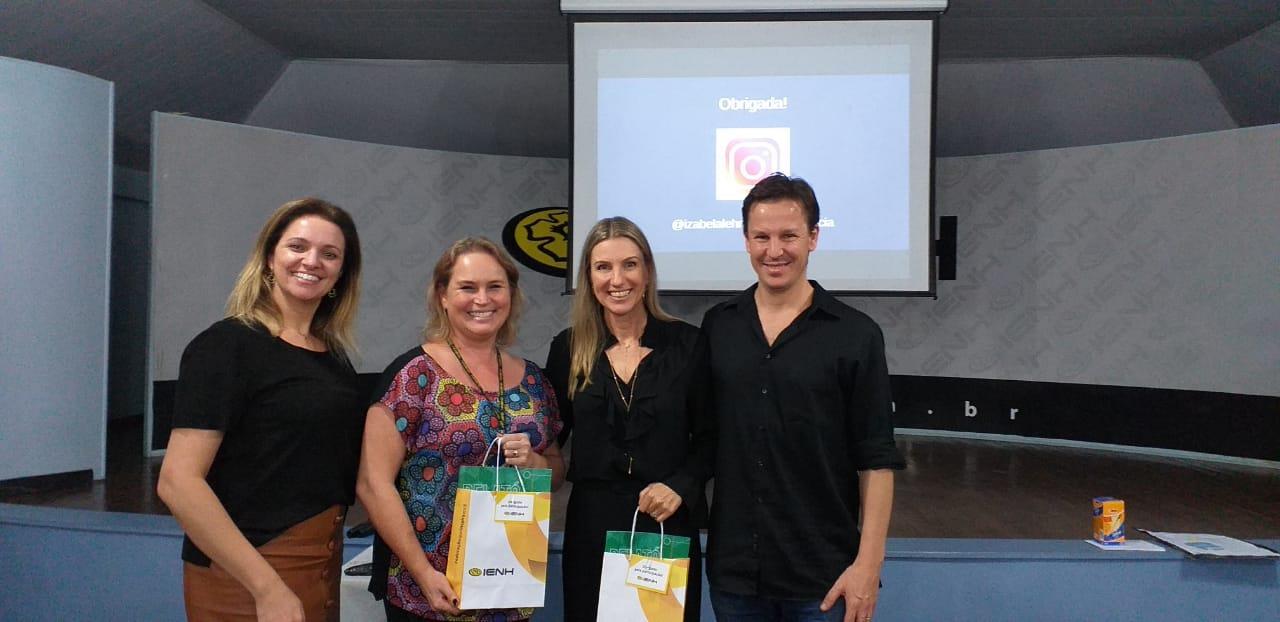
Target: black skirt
595,508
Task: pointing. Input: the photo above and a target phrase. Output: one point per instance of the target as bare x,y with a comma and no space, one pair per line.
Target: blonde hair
334,321
586,319
437,328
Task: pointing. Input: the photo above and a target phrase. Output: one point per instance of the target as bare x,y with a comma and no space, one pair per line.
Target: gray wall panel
55,226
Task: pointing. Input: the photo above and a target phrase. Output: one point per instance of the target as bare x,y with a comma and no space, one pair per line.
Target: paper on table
1128,545
1211,545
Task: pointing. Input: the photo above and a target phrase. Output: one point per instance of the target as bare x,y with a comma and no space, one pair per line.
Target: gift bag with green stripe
644,578
498,554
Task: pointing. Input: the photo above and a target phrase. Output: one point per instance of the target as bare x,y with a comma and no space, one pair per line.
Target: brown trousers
307,556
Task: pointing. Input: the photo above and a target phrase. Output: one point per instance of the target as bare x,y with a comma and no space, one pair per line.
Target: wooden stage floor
952,488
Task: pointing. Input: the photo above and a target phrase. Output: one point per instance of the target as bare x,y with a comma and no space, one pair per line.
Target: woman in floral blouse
438,408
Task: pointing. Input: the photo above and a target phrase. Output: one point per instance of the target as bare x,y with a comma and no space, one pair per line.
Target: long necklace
502,408
617,382
626,400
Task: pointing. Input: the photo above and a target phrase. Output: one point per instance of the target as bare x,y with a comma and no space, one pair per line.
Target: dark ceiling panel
535,31
1247,75
478,30
973,29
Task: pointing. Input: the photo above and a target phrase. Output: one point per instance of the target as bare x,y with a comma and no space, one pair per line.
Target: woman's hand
518,451
659,501
184,487
279,604
440,595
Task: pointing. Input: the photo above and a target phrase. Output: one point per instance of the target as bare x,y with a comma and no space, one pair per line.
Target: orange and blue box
1108,520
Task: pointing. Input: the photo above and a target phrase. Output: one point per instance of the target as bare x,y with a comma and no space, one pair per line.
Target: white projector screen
674,121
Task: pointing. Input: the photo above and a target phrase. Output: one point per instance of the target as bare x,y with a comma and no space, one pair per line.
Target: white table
358,604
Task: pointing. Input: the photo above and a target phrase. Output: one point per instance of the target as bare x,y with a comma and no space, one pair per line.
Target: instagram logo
750,159
747,155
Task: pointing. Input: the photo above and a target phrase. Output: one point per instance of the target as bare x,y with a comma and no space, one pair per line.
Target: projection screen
675,121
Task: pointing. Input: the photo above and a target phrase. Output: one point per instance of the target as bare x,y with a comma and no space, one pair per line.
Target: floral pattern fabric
445,426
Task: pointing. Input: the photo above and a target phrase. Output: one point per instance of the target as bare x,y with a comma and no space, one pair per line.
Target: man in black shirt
801,393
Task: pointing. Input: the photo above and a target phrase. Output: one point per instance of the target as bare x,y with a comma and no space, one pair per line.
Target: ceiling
535,31
218,58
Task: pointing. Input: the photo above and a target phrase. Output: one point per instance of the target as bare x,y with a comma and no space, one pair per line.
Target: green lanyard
502,387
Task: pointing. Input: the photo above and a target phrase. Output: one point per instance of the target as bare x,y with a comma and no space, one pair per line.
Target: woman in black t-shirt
629,380
262,459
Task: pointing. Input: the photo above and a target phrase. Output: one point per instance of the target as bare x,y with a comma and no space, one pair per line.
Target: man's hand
858,586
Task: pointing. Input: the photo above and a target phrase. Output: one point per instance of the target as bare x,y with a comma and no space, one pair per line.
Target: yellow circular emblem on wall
539,239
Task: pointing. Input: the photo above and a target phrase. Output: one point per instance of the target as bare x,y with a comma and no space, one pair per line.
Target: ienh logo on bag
491,572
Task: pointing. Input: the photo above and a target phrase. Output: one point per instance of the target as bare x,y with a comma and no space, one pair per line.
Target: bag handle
497,441
662,532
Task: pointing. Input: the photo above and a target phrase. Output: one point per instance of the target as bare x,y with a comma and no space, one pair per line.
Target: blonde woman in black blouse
627,375
261,463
